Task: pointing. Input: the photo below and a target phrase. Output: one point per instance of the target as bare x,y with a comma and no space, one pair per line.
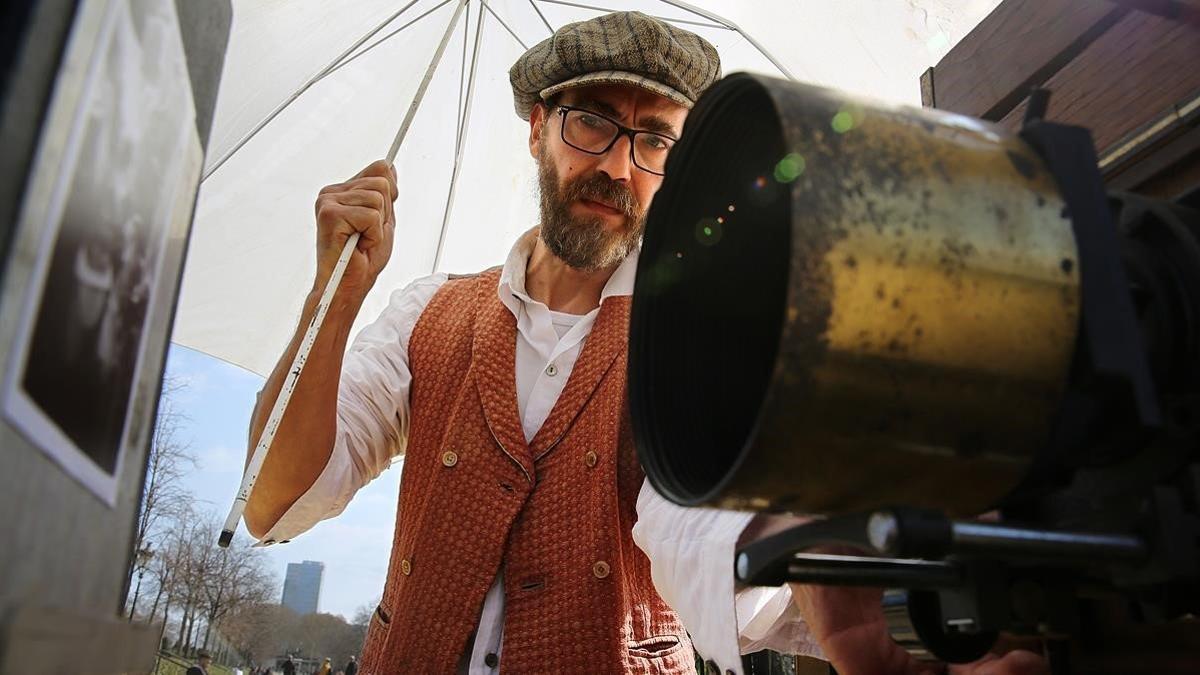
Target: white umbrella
313,90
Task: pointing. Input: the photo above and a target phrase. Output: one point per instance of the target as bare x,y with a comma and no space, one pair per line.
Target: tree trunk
190,615
166,611
182,626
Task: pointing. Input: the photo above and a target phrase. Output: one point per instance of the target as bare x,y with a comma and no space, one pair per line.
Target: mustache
601,188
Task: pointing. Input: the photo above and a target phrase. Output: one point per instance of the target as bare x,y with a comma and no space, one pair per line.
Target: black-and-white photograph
85,323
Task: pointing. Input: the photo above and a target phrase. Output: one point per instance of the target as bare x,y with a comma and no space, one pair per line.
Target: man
203,660
289,666
505,390
351,667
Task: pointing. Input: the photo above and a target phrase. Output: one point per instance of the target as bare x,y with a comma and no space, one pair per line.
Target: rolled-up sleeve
691,553
372,411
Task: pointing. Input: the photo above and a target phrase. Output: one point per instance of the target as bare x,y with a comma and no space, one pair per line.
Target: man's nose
617,163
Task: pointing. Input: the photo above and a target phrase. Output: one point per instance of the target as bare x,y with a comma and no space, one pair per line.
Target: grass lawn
175,665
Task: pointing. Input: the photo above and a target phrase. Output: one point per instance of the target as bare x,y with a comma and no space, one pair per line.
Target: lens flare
842,122
708,231
789,168
849,117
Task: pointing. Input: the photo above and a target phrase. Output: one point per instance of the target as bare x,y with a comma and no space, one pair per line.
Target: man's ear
537,124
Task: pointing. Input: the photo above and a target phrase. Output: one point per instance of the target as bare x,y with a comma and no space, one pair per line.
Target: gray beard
583,242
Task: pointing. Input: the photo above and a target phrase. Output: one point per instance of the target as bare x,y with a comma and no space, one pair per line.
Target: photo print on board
82,338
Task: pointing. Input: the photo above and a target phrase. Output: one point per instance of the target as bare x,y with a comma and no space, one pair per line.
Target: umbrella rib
437,258
385,38
462,71
541,16
510,31
313,80
660,18
733,26
421,88
701,13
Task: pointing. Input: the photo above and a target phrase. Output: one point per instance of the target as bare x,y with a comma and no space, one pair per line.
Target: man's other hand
850,626
362,204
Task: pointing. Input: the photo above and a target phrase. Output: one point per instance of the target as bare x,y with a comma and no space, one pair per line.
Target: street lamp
142,557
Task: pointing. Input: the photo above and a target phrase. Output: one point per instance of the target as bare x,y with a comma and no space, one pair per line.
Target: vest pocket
381,615
656,646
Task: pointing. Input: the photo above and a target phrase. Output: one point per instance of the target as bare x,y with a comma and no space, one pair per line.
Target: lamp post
143,557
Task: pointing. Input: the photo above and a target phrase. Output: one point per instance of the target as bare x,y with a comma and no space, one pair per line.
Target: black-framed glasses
595,134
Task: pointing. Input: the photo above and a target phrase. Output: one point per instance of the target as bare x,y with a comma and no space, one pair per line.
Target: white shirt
690,549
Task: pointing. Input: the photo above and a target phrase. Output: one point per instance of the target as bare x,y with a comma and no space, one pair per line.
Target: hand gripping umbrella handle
285,394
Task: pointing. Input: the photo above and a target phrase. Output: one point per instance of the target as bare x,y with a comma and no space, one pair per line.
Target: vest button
551,370
590,458
491,660
405,567
449,458
600,569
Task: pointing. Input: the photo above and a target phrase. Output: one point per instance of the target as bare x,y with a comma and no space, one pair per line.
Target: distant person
203,660
326,668
352,667
289,666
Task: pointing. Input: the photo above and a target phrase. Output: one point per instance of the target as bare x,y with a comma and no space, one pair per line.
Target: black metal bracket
1114,345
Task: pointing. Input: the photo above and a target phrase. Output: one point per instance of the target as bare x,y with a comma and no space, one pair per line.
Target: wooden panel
1018,46
1175,181
49,641
927,93
1141,67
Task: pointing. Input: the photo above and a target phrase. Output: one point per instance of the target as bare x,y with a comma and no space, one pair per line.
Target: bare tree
163,496
236,577
260,631
192,564
326,635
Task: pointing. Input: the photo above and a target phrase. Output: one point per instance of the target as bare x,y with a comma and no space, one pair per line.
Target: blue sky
218,398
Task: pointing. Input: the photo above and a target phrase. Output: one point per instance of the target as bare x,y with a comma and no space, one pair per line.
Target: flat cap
622,48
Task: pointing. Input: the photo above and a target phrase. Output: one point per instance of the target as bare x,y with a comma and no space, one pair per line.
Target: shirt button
405,567
449,458
491,660
590,459
600,569
551,370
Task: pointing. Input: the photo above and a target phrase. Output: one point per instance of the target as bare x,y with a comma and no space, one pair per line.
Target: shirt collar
512,277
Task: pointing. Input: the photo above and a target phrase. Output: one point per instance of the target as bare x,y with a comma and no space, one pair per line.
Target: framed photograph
101,285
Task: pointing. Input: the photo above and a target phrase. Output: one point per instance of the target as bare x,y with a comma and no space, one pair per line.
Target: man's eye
656,142
591,120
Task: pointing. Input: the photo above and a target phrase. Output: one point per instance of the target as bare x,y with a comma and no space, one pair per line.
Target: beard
583,242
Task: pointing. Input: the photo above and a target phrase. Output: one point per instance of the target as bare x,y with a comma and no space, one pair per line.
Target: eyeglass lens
591,133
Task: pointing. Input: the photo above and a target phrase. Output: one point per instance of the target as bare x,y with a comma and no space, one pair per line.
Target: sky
218,398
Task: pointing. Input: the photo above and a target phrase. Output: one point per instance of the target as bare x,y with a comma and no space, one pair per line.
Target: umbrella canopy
313,90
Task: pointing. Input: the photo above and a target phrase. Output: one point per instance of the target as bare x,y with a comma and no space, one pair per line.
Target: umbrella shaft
267,437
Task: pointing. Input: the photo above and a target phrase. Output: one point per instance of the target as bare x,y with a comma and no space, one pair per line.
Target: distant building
302,586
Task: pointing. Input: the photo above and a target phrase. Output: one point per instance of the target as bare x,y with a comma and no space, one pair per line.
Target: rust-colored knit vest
557,513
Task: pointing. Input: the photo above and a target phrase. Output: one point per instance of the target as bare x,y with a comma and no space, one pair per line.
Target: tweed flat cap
622,47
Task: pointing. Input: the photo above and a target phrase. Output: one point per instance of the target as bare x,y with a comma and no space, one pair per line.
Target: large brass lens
842,305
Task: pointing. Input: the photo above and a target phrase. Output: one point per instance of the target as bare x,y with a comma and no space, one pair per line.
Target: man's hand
362,204
850,626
